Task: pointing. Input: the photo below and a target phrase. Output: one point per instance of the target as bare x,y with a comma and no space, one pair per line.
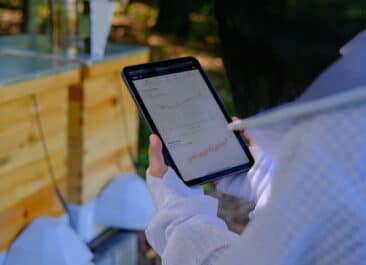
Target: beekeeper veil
316,213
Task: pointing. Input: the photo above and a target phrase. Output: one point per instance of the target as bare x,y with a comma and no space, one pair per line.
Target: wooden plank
97,138
75,143
103,165
27,180
17,216
22,89
108,139
100,114
99,89
48,100
114,102
22,110
26,191
96,163
102,162
25,133
25,112
75,120
104,115
53,99
74,170
15,112
102,171
22,156
128,123
100,149
108,110
114,65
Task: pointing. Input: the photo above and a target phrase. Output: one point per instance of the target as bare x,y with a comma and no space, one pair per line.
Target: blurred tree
29,8
174,16
273,49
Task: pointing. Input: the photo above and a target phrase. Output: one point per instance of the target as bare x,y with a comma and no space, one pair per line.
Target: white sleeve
255,185
185,229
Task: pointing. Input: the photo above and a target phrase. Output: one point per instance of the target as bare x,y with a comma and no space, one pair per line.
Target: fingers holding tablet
189,121
251,142
157,166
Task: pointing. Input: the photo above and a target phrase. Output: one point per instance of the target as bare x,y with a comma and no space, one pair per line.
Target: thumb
157,165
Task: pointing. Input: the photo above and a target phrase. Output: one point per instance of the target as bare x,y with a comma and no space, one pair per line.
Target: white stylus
296,110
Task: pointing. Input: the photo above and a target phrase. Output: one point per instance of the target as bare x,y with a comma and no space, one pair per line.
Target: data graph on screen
190,123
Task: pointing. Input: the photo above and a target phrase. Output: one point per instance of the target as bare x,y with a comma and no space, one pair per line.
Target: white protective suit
311,200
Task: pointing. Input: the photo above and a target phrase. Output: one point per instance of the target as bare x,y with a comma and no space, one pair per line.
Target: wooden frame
26,190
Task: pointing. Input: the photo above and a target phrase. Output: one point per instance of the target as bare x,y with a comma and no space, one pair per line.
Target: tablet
181,106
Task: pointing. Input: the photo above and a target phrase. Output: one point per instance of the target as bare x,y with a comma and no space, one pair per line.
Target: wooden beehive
98,144
26,190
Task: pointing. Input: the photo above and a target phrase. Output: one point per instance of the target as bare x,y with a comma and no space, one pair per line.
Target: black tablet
181,106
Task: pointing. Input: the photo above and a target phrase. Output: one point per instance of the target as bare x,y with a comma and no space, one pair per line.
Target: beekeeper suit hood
317,209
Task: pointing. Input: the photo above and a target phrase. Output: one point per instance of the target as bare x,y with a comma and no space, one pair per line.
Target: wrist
169,187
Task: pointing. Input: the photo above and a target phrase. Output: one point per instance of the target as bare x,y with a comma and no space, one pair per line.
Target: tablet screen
191,123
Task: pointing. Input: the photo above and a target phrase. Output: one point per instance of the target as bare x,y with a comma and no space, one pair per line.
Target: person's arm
185,229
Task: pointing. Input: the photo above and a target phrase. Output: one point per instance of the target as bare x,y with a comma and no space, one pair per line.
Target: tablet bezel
152,69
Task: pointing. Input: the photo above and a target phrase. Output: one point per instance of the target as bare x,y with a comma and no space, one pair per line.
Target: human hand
157,166
245,134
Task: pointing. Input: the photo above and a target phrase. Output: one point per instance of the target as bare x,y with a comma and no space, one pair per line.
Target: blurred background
261,52
258,54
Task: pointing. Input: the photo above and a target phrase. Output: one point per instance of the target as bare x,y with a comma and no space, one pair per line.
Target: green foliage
12,3
142,13
143,159
206,7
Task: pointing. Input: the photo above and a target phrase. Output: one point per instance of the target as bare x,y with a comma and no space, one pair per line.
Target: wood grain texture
27,88
111,66
15,218
81,116
98,145
22,130
28,179
100,172
75,143
26,191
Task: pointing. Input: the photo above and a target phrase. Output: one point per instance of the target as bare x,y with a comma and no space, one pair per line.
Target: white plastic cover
101,17
48,241
83,220
2,258
125,203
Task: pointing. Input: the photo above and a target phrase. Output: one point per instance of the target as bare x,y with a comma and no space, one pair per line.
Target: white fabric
101,18
82,216
187,211
2,258
48,241
311,205
256,184
317,210
134,212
